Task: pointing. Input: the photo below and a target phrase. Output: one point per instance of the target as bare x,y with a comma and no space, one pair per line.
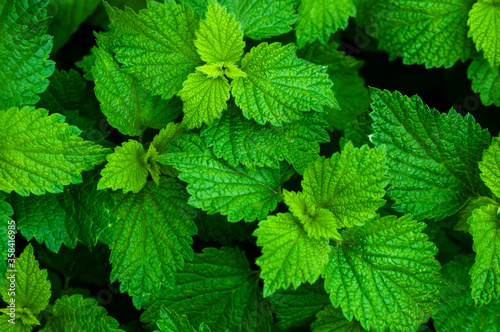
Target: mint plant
222,165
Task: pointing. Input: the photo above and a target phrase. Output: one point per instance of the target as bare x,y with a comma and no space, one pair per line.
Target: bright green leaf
217,288
156,45
152,238
427,32
490,166
215,186
42,153
332,319
204,99
219,38
162,141
24,52
319,19
484,23
279,86
350,184
8,228
289,255
432,157
385,274
171,322
485,81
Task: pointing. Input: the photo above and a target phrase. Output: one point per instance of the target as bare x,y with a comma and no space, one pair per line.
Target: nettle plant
209,203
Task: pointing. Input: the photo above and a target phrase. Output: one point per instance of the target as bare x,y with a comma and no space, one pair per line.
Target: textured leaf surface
152,238
457,311
319,19
485,231
239,140
156,45
204,99
485,81
80,213
427,32
219,37
490,166
289,255
32,289
280,86
332,319
484,23
6,213
128,106
42,153
297,307
215,186
217,288
171,322
350,184
74,313
385,275
432,157
126,168
262,19
24,52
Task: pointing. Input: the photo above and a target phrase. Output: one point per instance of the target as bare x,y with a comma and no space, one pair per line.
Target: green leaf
384,274
8,228
457,311
317,222
432,157
358,131
42,153
128,106
80,213
86,64
490,166
161,143
425,32
332,319
74,313
289,255
146,45
239,140
26,287
485,231
219,37
279,86
152,238
171,322
485,81
217,288
126,168
215,186
350,184
68,15
297,307
24,52
484,23
261,19
319,19
204,99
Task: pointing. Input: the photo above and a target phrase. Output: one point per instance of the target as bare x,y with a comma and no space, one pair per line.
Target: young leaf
157,40
126,168
204,99
128,106
279,86
80,213
484,23
384,274
24,52
42,153
485,81
74,313
31,289
289,255
485,231
219,38
215,186
425,32
152,238
350,184
319,19
432,157
217,288
332,319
